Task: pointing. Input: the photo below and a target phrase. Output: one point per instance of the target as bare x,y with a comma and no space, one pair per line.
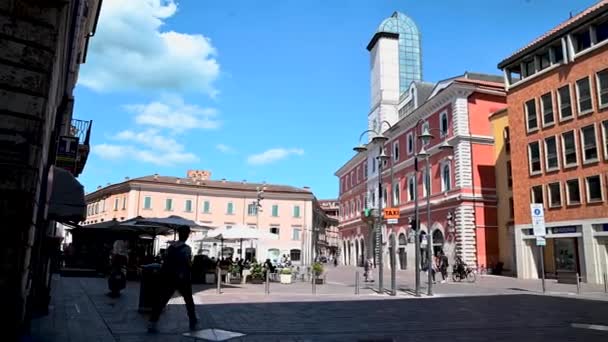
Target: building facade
557,98
331,209
285,211
504,189
43,44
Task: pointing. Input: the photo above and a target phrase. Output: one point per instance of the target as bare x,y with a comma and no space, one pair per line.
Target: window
373,165
396,151
230,208
103,205
534,157
582,40
558,53
601,32
296,211
569,149
147,202
565,103
252,209
555,195
594,189
348,182
295,255
168,204
365,171
531,117
507,138
374,199
551,159
396,193
411,188
583,94
426,183
206,207
544,60
573,192
188,206
537,194
384,196
511,208
529,68
546,101
589,144
509,175
97,208
124,203
602,88
274,230
410,143
275,210
358,172
605,138
116,201
443,124
295,234
446,177
352,179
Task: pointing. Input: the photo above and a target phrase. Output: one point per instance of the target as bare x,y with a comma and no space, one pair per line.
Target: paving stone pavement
487,310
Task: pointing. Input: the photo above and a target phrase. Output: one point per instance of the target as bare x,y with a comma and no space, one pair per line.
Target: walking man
443,267
176,275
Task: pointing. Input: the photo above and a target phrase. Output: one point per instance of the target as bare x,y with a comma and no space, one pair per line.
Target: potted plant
257,274
317,271
286,275
235,274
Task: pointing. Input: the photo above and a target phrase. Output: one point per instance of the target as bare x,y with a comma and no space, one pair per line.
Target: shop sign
391,213
564,230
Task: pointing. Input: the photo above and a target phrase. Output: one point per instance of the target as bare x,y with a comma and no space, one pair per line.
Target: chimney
198,174
178,181
244,181
306,187
98,187
127,178
108,184
156,176
223,180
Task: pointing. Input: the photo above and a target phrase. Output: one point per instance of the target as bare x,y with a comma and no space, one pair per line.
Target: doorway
402,252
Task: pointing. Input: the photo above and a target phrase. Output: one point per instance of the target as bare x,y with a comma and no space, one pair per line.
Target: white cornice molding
352,162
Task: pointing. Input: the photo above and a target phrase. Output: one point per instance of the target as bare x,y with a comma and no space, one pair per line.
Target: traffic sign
540,241
392,221
391,213
538,219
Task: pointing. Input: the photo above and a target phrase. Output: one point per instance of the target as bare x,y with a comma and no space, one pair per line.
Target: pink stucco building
285,210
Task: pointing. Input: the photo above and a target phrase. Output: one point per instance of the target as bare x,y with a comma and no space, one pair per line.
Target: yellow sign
391,213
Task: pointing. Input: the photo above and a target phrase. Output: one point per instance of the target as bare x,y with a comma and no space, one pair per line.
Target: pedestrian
443,266
176,275
335,262
434,267
368,274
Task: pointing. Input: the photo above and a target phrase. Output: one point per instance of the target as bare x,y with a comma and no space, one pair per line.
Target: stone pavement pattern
82,312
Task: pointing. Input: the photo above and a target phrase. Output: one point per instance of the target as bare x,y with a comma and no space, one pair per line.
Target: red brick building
557,95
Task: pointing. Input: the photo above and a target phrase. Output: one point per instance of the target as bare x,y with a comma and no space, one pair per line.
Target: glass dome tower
410,53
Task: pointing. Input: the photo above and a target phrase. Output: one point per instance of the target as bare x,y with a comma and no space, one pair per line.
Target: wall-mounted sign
67,150
391,213
538,219
563,230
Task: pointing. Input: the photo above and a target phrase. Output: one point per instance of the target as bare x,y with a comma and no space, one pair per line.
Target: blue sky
266,90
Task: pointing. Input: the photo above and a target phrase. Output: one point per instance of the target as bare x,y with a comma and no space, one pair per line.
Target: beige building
284,210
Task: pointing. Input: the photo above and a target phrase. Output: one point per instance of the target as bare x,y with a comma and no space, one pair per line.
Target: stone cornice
353,161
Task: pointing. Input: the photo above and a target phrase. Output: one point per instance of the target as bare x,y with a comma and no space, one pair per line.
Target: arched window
396,193
411,188
444,124
446,177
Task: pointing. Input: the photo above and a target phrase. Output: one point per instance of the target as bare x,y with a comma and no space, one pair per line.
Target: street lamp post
379,139
426,138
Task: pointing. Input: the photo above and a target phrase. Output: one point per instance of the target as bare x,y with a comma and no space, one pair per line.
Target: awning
66,201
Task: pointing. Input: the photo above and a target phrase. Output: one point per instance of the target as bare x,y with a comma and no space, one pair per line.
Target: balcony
73,149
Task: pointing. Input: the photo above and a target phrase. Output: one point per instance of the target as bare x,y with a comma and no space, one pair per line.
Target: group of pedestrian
440,264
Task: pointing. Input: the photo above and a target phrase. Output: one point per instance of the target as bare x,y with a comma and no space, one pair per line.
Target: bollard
578,284
357,282
605,283
267,285
219,281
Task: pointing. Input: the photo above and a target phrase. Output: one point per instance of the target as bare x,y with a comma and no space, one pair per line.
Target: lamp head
426,136
360,148
379,139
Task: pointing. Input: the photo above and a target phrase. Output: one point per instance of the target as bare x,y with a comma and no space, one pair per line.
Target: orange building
557,95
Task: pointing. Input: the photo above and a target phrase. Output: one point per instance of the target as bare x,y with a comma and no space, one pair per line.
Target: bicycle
459,275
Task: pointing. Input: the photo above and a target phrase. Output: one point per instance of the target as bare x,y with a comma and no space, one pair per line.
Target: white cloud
130,51
224,148
150,138
128,152
172,113
273,155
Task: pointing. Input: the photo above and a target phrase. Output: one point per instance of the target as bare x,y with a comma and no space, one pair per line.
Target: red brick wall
586,65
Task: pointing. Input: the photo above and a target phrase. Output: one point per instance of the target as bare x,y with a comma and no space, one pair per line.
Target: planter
257,281
319,281
285,278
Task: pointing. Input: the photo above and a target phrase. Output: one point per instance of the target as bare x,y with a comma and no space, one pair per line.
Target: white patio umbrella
172,222
238,233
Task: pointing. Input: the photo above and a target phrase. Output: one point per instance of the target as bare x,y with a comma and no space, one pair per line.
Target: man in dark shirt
176,275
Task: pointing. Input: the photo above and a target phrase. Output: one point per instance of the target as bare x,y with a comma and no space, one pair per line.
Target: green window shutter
188,205
230,208
296,211
206,207
275,210
147,202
